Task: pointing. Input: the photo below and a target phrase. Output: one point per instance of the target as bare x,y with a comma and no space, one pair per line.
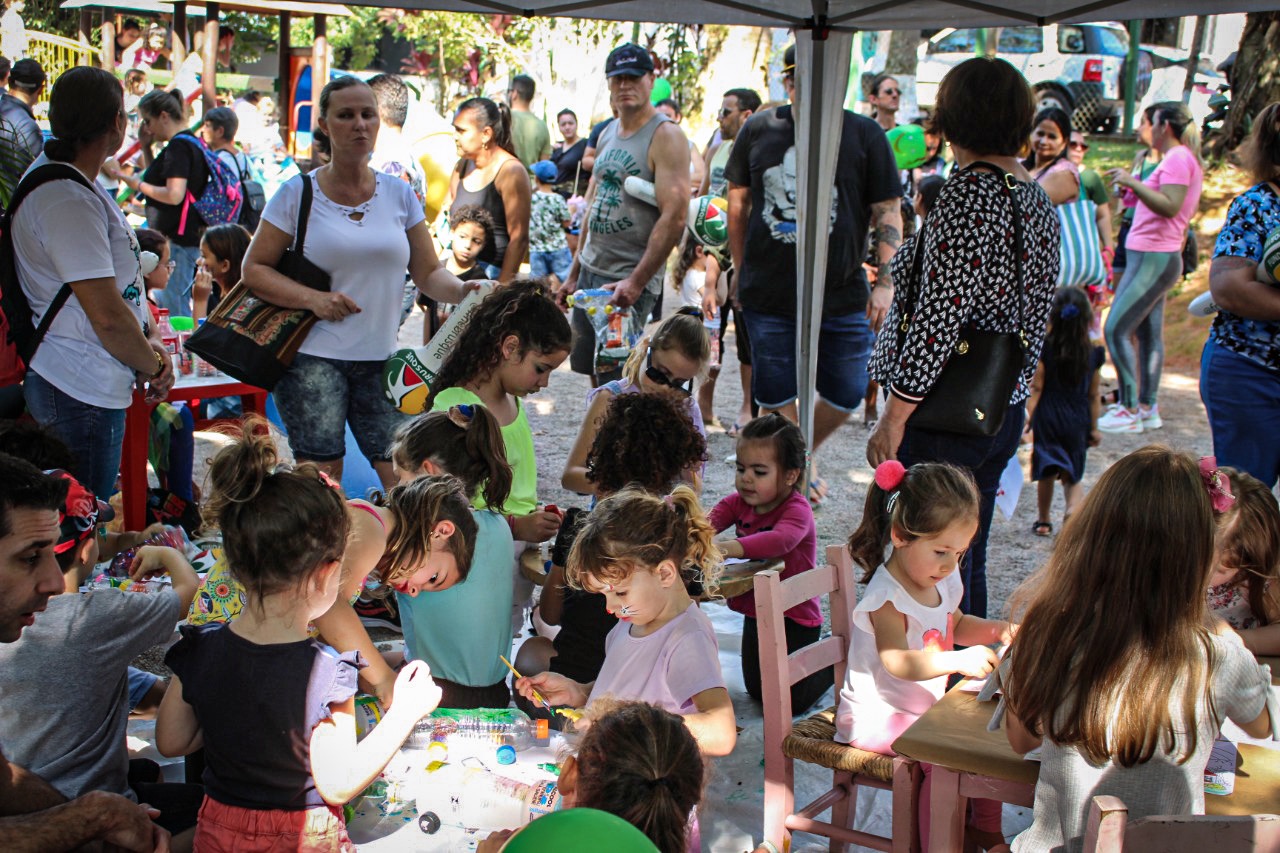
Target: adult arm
118,330
669,152
739,212
1166,201
887,219
570,283
265,251
22,792
714,726
1106,233
512,183
574,477
697,170
1037,388
705,186
97,815
923,664
1062,186
428,274
1235,288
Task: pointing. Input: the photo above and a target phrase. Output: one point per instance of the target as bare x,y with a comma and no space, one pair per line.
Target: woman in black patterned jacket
967,280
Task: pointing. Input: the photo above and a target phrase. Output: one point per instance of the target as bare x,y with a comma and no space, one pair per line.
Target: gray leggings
1138,314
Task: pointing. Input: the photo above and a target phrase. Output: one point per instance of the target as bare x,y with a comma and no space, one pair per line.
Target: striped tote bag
1081,249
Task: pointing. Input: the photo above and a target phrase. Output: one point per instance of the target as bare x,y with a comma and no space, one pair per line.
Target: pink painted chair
812,739
1110,831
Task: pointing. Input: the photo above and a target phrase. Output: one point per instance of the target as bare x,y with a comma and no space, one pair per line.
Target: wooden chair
1110,831
812,739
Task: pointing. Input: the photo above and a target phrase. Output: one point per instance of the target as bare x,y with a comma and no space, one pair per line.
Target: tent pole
1131,76
319,66
179,47
108,38
282,76
209,79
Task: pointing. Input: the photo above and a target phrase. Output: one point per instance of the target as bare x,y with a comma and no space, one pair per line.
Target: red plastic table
137,432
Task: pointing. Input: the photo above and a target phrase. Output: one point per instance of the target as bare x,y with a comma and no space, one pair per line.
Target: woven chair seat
813,740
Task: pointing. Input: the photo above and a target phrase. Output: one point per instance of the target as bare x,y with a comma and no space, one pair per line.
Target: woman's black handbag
252,340
972,393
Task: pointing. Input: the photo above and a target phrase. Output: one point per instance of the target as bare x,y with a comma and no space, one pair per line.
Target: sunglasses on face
1079,146
727,113
684,386
891,92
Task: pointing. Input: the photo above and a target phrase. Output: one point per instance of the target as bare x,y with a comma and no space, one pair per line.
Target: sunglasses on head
684,386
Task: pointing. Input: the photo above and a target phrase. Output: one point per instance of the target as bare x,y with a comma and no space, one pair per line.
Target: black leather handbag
252,340
972,393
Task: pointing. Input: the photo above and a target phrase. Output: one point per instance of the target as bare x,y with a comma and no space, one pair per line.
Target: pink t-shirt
787,532
1152,232
667,668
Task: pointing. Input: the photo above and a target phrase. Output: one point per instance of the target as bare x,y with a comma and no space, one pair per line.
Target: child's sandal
1042,528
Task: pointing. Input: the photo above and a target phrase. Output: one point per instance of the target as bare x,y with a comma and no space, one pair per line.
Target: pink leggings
984,814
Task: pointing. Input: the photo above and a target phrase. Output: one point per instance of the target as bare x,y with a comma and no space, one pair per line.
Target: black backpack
255,197
21,336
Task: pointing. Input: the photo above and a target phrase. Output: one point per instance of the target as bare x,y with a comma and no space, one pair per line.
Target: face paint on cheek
627,611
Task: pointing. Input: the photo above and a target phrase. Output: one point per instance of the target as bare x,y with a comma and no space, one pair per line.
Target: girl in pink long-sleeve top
772,520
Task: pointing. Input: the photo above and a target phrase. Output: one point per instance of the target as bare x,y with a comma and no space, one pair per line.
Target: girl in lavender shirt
638,549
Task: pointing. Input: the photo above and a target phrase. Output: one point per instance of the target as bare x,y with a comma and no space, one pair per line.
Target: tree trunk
1193,61
1255,79
902,52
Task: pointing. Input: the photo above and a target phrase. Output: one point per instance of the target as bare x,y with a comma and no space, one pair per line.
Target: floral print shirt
1252,216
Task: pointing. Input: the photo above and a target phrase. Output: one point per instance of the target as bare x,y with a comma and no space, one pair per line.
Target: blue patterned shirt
1253,215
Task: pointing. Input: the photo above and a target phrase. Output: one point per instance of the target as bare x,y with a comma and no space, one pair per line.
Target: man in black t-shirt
762,241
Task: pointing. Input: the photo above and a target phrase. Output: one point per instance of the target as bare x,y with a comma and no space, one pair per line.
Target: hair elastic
1069,311
461,415
669,501
1216,484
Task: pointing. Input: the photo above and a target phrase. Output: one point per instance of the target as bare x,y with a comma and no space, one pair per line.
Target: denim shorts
555,263
582,355
140,681
319,396
844,347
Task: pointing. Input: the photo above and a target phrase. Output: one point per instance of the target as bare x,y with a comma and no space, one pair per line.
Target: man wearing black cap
33,815
762,240
20,138
5,67
627,240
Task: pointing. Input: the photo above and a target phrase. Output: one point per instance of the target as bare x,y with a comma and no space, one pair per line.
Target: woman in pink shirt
1164,203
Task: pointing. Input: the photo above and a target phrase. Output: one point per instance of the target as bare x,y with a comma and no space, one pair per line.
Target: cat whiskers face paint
627,612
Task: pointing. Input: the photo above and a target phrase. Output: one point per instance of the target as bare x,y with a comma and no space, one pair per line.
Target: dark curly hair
523,308
647,440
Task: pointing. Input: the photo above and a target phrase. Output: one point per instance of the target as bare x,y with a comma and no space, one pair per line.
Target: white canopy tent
824,30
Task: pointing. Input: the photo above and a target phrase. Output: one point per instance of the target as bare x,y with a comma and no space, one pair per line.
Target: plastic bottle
475,799
170,537
712,325
182,328
199,365
480,731
169,338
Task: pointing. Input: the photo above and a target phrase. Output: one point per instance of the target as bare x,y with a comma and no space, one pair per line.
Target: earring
486,146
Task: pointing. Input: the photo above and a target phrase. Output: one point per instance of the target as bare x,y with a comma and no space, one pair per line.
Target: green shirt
518,437
531,137
1094,189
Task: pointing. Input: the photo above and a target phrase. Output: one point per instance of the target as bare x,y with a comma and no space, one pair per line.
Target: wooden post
108,38
179,46
319,66
283,112
86,25
209,79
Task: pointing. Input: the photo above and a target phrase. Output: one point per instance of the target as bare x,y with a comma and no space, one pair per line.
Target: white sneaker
1118,419
1150,417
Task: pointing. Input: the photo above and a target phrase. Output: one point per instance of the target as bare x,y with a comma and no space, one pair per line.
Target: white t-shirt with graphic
65,232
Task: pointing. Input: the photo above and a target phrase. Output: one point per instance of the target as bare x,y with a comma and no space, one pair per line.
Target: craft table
737,578
137,433
970,761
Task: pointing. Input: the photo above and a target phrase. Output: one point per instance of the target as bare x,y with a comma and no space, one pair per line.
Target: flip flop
817,492
1042,528
733,431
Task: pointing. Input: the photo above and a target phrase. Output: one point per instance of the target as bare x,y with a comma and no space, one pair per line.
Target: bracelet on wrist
161,361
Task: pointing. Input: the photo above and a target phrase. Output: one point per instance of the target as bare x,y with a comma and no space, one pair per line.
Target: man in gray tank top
626,241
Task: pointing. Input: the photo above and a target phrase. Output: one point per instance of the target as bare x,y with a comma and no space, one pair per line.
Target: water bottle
712,325
169,338
479,731
477,800
170,537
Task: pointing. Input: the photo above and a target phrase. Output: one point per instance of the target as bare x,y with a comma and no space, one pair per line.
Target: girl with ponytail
639,550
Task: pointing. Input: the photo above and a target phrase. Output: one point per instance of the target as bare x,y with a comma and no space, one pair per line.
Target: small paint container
542,732
506,754
437,751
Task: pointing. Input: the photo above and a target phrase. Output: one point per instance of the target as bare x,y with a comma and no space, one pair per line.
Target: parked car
1078,67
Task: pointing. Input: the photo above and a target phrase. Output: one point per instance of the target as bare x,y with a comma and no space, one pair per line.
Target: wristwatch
161,361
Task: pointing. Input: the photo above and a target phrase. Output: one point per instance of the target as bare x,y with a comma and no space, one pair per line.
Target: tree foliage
1255,80
685,52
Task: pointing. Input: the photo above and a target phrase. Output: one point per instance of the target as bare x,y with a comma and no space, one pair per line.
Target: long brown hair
641,763
632,530
466,442
416,508
1260,152
1249,540
1113,629
931,497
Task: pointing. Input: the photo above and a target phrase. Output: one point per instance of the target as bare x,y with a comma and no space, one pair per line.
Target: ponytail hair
278,525
683,332
495,116
346,81
919,501
416,508
641,763
1180,120
465,442
160,102
84,104
1068,337
633,530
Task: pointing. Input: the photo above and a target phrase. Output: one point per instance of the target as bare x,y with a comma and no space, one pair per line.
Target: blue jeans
844,347
95,435
986,459
176,297
1243,401
555,263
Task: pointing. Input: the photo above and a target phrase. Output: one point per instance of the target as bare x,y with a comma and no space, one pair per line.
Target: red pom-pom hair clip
1216,484
889,474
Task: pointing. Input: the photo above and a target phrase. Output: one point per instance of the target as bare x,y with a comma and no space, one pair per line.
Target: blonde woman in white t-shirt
98,348
364,230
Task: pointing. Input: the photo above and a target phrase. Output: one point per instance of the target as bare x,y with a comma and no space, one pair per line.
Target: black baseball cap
27,73
631,60
789,61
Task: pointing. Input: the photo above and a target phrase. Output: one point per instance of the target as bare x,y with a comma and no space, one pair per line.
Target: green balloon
661,90
579,831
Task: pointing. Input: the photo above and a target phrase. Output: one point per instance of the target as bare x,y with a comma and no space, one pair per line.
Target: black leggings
804,692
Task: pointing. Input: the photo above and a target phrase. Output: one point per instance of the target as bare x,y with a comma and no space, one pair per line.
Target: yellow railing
56,53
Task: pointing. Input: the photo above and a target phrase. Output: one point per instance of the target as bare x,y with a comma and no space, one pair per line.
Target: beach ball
579,831
404,382
907,141
1269,269
708,220
661,90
